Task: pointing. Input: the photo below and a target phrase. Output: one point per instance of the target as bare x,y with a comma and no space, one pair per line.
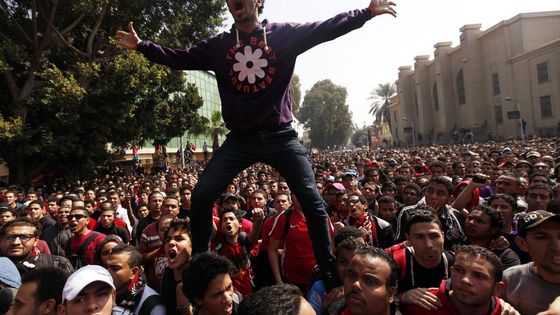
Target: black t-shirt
421,277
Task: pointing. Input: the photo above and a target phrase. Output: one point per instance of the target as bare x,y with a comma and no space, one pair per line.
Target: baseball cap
337,186
9,275
226,196
533,219
329,178
351,172
84,277
506,150
533,154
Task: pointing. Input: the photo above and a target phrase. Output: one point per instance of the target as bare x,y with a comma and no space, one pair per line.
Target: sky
371,55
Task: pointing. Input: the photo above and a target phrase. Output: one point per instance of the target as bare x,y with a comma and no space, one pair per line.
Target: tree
325,115
295,87
360,138
213,128
381,97
67,91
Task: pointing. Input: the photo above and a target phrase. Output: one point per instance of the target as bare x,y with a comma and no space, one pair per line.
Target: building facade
208,90
500,83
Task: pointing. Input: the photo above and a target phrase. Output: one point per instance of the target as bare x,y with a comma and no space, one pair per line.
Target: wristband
373,13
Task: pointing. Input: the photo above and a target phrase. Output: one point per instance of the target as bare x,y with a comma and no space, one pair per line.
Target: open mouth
229,228
172,254
238,5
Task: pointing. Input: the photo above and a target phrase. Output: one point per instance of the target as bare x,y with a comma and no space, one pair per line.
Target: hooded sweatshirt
254,70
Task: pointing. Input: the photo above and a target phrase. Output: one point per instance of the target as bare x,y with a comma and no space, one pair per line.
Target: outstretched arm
378,7
128,40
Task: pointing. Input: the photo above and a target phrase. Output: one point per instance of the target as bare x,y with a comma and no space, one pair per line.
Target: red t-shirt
76,242
238,253
447,308
298,259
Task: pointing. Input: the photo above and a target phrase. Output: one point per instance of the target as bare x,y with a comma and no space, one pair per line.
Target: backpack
398,253
149,303
78,259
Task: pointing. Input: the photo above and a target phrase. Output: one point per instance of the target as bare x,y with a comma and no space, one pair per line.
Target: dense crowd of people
428,230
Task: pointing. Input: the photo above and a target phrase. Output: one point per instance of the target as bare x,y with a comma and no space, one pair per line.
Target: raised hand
129,40
379,7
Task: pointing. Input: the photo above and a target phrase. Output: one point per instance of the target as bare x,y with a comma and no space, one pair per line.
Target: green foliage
295,87
213,128
325,114
67,91
381,97
360,138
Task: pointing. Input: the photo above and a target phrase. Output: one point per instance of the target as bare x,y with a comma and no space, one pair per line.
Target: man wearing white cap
89,290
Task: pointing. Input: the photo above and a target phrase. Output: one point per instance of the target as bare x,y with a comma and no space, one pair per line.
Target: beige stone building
500,83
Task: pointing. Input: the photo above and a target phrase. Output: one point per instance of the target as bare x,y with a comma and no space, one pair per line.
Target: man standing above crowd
256,106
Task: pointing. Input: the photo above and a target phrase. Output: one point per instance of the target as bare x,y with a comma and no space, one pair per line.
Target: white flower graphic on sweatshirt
249,64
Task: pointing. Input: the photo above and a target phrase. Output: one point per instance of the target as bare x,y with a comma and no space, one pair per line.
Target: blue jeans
280,149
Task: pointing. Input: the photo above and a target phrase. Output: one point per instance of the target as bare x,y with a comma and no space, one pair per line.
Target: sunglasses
76,216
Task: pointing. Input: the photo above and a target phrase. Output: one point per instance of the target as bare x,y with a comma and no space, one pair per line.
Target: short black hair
350,244
201,270
507,198
442,180
134,256
180,225
238,214
347,232
376,252
481,252
496,217
386,199
540,186
24,221
282,299
422,214
50,283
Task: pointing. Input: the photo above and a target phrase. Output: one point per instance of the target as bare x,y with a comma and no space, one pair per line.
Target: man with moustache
18,240
370,283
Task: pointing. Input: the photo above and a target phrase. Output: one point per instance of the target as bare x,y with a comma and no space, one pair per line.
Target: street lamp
519,119
413,129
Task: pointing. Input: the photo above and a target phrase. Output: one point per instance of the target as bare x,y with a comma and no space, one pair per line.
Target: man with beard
18,240
125,266
256,106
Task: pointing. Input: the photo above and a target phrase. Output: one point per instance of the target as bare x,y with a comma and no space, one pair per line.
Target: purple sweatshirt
254,73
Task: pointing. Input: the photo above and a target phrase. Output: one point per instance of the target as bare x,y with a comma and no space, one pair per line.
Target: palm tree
213,127
381,97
